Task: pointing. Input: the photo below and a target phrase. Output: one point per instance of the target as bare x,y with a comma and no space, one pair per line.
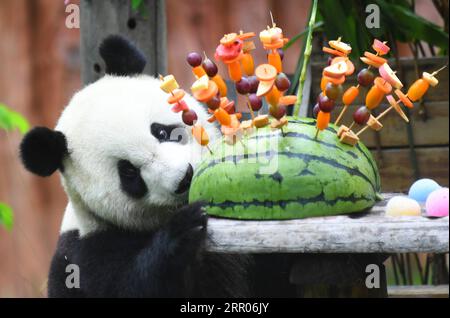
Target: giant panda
126,162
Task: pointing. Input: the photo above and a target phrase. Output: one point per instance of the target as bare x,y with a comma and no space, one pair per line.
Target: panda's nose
185,183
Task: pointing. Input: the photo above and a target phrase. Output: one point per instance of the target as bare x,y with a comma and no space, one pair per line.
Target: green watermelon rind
314,177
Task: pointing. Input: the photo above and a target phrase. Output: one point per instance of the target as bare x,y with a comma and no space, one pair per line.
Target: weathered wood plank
397,172
370,233
102,18
440,291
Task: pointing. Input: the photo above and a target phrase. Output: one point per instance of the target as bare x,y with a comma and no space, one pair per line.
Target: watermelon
271,176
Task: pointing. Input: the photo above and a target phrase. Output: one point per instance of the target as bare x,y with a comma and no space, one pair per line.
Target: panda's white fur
110,120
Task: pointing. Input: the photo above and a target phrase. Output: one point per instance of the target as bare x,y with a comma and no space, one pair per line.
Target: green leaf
408,26
10,120
135,4
339,22
19,122
6,216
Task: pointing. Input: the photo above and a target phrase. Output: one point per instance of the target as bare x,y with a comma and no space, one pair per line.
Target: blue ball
421,189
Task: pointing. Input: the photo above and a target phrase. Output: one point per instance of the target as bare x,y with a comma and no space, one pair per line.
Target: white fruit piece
389,75
374,124
433,81
340,46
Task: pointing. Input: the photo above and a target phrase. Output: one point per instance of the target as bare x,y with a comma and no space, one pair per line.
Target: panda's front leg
163,269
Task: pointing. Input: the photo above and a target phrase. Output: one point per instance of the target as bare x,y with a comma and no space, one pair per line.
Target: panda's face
129,155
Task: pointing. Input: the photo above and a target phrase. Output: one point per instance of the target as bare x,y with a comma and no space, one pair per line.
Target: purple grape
194,59
243,86
282,82
281,53
277,112
254,82
255,102
189,117
316,110
365,77
210,67
214,103
326,104
361,115
333,91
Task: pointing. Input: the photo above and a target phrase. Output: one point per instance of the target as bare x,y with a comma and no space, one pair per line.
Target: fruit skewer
415,92
189,116
333,76
365,76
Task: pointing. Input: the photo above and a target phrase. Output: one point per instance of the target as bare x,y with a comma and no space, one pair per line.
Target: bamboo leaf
19,122
10,120
406,24
6,216
135,4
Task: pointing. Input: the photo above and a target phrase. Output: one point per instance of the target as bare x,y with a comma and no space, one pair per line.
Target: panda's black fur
166,263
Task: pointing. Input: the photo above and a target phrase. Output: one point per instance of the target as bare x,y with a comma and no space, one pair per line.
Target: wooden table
329,255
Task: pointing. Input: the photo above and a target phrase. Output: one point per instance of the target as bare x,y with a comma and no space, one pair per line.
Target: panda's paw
187,230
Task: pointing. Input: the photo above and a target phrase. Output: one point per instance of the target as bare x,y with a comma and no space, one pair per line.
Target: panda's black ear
42,151
122,58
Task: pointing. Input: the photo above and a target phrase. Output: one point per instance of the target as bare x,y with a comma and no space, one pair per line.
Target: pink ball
437,203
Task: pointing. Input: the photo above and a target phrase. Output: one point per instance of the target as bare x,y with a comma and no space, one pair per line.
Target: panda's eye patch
168,133
126,169
131,181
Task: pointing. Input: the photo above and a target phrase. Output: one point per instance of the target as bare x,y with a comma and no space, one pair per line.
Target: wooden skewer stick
271,18
210,151
436,72
341,114
377,118
317,133
351,126
251,111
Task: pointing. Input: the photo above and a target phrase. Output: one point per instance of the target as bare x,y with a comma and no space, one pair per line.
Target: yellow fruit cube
169,84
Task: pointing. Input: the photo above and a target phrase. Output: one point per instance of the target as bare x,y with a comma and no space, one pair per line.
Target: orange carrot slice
350,95
198,71
222,116
176,96
248,64
200,135
332,52
234,71
405,100
374,58
383,85
274,59
287,100
323,119
266,72
336,81
370,62
221,85
206,94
